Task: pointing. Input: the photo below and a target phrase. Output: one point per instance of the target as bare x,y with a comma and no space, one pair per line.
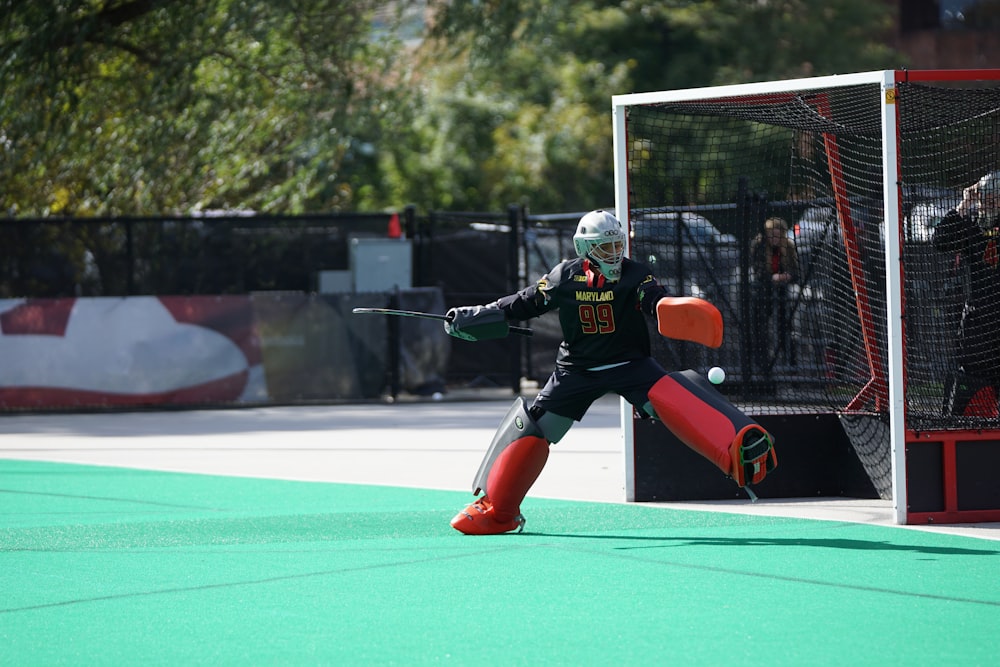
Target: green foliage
516,96
151,107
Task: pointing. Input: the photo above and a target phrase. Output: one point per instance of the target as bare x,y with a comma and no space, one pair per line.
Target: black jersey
602,322
977,247
977,250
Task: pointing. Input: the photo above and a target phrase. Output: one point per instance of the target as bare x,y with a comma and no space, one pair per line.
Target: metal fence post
515,219
394,357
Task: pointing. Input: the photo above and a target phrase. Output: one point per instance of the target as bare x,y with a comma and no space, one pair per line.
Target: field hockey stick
521,331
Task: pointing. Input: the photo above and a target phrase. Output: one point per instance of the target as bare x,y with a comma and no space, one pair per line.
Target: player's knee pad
709,424
521,421
514,460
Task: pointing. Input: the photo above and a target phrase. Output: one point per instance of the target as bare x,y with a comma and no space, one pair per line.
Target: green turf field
108,566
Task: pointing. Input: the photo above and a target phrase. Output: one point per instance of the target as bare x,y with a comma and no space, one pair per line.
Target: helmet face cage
600,238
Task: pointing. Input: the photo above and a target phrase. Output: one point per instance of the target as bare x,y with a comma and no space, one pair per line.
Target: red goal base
952,476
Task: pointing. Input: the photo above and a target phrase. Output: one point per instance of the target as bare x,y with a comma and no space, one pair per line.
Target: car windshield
663,227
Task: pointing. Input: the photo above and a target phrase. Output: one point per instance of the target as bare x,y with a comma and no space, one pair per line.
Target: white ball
716,375
437,396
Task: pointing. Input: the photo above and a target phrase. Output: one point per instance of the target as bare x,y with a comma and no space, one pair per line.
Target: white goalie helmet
600,238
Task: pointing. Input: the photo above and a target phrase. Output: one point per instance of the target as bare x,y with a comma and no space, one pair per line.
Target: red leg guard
709,424
513,473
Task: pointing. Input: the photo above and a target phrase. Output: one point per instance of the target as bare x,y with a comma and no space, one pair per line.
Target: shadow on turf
821,543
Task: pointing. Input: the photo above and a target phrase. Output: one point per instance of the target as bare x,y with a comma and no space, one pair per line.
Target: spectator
970,231
775,265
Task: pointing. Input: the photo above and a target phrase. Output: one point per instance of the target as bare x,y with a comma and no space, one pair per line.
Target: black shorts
570,393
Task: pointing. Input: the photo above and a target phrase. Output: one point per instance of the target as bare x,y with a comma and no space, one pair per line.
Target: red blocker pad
689,318
709,424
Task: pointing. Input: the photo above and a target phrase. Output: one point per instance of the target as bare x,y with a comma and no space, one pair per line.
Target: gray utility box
381,265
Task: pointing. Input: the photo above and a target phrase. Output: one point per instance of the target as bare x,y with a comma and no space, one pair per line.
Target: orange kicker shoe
478,519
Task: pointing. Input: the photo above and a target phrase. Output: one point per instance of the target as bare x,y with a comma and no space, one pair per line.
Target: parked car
818,238
816,233
688,254
815,225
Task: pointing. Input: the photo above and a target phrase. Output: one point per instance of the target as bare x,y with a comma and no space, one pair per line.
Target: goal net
806,210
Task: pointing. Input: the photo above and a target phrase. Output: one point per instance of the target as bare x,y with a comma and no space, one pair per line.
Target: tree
160,106
149,107
515,95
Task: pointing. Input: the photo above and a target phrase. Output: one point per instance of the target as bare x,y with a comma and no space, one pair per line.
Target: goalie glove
476,323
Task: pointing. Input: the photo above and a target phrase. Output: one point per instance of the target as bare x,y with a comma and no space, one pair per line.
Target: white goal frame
886,79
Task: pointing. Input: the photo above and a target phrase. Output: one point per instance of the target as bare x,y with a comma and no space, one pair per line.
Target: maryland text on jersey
583,295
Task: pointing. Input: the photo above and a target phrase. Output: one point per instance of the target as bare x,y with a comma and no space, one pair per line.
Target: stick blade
689,318
399,313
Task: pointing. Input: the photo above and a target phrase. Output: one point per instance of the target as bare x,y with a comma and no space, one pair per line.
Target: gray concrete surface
423,444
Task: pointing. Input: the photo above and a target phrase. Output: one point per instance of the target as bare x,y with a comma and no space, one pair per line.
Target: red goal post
866,331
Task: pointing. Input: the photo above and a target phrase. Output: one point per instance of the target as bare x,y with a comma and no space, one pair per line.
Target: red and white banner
129,351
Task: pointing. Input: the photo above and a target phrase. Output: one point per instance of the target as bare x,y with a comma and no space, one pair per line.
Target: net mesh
950,139
805,303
